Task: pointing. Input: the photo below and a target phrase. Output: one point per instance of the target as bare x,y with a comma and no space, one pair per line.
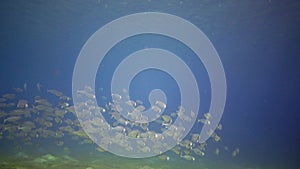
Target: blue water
257,41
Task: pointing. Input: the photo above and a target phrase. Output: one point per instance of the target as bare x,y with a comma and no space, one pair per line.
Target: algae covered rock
45,158
146,167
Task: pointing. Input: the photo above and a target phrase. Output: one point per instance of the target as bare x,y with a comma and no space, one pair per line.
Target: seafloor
49,161
85,157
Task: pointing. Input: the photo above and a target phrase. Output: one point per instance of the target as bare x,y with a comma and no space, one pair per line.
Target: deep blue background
258,43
